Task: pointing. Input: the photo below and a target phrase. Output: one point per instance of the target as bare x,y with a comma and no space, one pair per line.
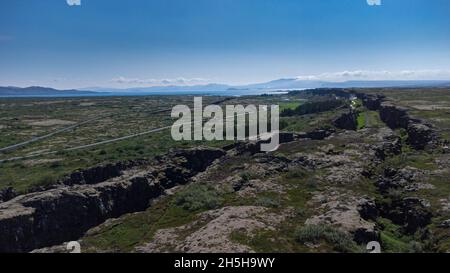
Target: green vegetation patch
198,196
361,120
315,234
131,230
289,105
394,241
313,107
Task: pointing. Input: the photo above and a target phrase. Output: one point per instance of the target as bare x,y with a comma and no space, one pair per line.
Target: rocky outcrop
286,137
254,147
178,167
368,210
371,102
241,147
402,180
54,216
394,116
100,173
318,134
212,231
347,121
390,146
410,212
92,175
7,194
344,212
392,179
46,218
420,136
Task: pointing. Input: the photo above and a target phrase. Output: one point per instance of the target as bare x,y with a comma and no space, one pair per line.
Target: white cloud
374,2
151,82
73,2
379,75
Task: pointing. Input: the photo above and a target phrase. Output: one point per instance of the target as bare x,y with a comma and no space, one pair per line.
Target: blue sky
121,43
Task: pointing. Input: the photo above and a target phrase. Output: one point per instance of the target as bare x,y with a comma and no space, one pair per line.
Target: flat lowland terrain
90,121
354,166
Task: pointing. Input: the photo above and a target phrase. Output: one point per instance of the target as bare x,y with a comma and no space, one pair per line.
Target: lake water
156,93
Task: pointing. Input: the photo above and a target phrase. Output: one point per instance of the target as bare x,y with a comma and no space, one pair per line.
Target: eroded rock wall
54,216
420,134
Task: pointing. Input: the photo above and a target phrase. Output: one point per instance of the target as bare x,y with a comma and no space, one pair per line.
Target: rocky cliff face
420,135
7,194
318,134
394,116
92,175
54,216
410,212
347,121
389,146
100,173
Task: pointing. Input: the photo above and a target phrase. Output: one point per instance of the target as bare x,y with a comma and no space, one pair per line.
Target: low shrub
268,202
198,197
340,241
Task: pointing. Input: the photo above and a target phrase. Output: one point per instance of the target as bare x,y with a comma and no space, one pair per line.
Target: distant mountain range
39,91
280,84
